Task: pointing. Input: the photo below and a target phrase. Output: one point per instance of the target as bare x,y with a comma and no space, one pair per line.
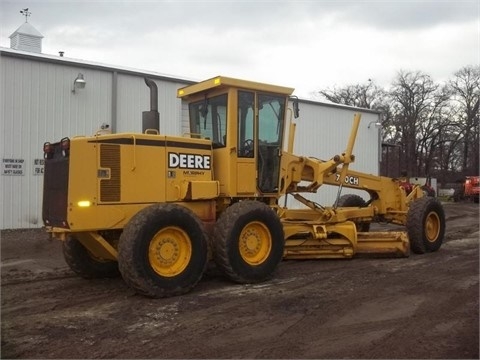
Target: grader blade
374,244
384,244
314,249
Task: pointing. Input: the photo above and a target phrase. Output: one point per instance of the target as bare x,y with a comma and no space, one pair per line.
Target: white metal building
39,103
323,131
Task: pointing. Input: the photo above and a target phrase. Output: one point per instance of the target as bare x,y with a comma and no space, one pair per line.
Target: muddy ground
424,306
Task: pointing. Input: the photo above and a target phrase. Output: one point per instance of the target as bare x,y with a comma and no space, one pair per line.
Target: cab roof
222,81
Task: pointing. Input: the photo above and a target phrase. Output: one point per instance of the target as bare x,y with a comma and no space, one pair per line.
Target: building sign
13,167
38,166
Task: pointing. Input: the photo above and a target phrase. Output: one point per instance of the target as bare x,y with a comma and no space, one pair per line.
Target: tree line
428,128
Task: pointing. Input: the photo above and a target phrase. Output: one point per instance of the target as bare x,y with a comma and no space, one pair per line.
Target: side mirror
296,108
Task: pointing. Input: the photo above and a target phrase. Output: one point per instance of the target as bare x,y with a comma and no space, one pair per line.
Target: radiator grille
110,159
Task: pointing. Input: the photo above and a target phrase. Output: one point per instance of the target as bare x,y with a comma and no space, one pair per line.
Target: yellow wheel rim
170,251
255,243
432,227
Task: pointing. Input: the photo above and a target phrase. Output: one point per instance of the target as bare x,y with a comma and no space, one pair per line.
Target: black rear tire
425,225
352,200
248,242
162,251
84,264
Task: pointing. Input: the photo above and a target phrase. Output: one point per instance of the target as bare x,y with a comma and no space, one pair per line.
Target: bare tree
360,95
367,96
430,128
415,99
466,90
449,152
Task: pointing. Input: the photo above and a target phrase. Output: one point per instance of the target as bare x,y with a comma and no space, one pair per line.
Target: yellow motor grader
156,208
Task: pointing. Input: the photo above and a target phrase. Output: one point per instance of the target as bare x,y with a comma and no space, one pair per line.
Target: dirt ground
424,306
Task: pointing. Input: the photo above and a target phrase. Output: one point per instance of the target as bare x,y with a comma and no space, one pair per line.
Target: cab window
246,102
208,119
270,114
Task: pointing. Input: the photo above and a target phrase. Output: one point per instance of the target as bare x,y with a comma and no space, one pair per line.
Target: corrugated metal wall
37,105
323,130
134,98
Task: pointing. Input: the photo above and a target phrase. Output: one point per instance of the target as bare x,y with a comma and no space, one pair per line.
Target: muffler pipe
151,118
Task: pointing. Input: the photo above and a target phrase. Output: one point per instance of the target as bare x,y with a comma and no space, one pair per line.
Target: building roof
63,60
132,71
27,29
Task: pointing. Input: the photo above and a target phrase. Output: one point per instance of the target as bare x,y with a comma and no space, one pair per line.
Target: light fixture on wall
79,82
378,125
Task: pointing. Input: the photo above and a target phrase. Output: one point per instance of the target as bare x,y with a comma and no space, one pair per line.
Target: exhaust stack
151,118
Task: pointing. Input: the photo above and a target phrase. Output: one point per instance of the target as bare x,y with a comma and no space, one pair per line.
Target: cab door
259,141
270,122
246,169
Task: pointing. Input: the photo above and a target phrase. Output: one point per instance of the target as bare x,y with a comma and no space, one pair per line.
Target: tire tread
416,217
83,264
135,272
222,240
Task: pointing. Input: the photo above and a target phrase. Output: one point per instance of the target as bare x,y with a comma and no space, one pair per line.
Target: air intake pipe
151,118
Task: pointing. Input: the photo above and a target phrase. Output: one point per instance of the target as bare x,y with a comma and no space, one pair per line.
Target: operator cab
245,121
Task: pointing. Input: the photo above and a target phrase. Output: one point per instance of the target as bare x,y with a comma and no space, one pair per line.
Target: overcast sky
307,45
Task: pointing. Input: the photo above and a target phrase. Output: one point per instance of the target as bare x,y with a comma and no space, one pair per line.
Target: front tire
84,264
425,225
162,251
248,242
